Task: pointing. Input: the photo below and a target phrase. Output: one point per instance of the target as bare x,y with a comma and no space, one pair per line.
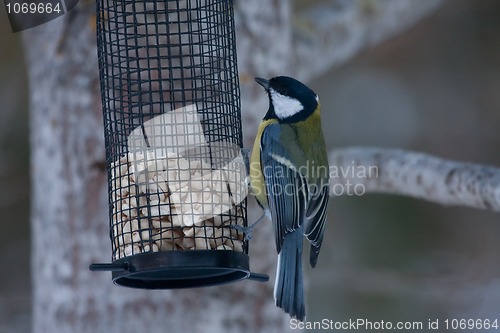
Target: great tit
289,176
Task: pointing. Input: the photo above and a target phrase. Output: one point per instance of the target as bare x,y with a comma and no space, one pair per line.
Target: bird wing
315,219
286,188
300,203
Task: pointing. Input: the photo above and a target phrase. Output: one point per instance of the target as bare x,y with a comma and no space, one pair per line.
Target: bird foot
247,231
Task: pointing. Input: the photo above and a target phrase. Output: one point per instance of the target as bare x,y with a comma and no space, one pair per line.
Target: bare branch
337,30
417,175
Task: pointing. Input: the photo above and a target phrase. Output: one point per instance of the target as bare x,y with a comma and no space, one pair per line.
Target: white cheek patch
285,106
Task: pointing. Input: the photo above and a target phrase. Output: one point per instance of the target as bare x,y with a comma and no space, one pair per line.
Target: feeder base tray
180,269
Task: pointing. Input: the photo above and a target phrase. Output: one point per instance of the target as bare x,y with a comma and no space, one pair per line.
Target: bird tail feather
289,288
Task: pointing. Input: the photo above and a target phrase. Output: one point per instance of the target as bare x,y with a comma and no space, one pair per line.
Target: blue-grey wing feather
315,219
300,203
286,189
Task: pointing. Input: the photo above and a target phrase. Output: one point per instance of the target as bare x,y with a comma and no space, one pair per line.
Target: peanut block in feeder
171,199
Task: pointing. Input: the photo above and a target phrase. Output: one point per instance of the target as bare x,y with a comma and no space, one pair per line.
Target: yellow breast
256,177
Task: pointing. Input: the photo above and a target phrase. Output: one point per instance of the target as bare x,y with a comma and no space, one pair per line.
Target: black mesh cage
177,178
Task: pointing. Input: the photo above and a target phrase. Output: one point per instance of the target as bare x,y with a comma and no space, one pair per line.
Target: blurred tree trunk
70,211
69,207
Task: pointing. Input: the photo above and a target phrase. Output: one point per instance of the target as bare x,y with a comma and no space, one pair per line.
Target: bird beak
263,82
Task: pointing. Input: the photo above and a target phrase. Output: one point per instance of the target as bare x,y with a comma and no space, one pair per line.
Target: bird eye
282,91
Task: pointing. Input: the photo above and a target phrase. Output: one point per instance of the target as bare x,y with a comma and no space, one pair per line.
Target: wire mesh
171,106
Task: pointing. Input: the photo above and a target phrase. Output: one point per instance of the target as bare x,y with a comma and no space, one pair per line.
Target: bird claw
247,231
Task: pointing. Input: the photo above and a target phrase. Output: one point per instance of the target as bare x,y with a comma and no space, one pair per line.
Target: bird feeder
177,180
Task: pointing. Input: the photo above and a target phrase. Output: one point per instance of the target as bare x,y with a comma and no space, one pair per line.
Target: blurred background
433,89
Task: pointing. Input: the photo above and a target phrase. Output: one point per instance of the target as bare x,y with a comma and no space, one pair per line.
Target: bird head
289,100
